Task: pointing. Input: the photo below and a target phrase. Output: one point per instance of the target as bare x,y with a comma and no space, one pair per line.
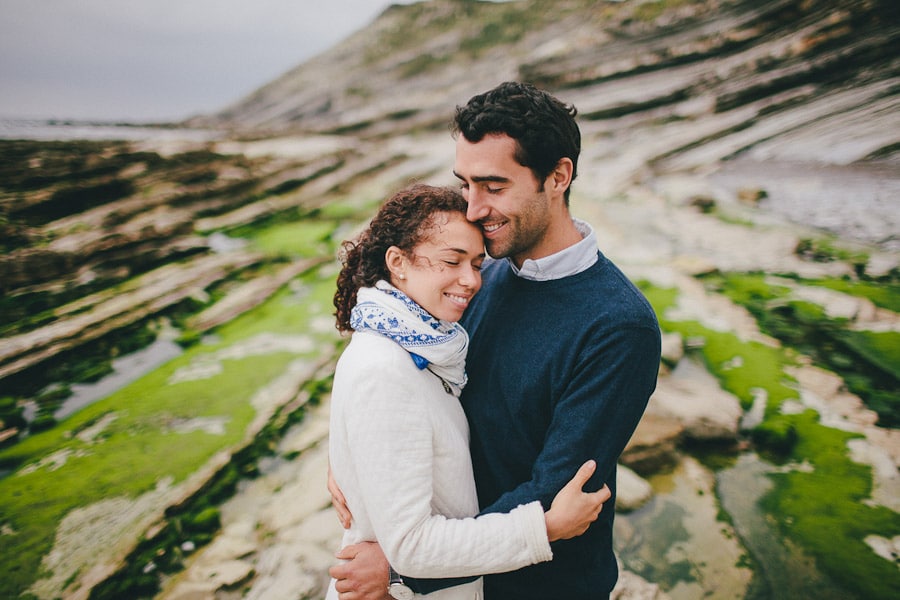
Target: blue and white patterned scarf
440,346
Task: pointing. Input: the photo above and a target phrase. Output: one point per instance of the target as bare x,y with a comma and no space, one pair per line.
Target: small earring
401,276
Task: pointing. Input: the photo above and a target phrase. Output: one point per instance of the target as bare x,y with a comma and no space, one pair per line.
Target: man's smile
492,227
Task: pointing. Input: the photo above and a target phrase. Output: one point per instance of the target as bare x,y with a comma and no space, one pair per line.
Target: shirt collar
568,261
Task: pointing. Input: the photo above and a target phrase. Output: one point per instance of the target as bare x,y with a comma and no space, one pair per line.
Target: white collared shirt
566,262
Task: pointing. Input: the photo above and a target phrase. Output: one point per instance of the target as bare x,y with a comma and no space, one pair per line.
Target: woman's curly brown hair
405,220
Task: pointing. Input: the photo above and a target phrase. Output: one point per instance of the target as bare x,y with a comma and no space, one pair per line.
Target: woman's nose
470,277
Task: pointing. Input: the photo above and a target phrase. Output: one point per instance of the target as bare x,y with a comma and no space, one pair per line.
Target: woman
399,438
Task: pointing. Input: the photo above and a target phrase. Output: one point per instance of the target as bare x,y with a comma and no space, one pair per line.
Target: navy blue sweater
559,372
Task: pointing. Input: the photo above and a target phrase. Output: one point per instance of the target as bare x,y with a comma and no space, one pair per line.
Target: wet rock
8,434
704,204
280,524
227,574
826,392
689,404
632,586
654,444
887,548
836,304
882,264
236,541
632,491
92,317
751,196
672,348
249,295
693,398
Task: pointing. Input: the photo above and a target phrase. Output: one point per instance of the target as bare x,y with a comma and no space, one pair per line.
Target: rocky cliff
662,88
780,111
711,79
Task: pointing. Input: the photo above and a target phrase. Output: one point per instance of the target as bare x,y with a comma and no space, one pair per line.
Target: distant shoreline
74,129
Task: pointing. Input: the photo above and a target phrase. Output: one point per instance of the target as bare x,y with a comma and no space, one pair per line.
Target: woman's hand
573,510
338,501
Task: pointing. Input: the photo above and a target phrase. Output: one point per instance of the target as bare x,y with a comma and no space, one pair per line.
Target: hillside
711,80
662,87
743,94
741,161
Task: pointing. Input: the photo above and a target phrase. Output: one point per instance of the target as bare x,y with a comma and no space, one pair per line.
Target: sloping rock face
772,71
736,90
727,89
99,236
721,94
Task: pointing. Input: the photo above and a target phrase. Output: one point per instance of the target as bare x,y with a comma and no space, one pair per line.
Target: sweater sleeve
611,383
390,433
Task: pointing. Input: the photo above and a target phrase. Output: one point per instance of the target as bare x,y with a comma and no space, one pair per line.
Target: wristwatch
397,589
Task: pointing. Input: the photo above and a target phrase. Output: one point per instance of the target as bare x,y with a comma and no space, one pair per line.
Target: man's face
505,198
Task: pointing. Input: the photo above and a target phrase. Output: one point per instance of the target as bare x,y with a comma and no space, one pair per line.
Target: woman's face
444,271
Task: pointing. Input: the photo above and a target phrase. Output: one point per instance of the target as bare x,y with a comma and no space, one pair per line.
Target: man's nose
478,208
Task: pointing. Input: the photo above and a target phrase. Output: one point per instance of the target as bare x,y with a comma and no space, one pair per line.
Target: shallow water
125,370
677,541
784,571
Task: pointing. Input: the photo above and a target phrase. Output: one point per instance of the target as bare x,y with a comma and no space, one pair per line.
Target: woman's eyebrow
461,251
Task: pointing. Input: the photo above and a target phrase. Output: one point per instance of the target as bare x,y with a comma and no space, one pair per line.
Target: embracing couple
498,365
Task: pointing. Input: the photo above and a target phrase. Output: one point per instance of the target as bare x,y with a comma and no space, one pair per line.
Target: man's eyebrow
484,178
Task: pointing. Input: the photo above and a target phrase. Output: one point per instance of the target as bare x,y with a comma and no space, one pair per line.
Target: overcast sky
152,60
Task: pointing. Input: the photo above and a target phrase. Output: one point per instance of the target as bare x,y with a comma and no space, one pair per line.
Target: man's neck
561,234
572,259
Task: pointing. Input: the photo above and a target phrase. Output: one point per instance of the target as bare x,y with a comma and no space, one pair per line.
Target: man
564,353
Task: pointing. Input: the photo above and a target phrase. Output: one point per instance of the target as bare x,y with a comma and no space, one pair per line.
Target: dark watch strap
395,576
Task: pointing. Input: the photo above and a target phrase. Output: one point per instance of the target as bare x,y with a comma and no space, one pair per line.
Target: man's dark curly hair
544,128
405,220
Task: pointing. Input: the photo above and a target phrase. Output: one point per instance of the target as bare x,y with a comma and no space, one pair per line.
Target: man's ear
560,177
396,262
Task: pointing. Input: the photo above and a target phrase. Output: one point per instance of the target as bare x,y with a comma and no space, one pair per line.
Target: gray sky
146,60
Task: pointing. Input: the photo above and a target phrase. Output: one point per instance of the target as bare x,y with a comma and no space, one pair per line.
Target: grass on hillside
139,448
868,361
882,294
301,238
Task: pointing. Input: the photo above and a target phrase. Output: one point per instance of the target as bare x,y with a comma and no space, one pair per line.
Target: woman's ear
396,262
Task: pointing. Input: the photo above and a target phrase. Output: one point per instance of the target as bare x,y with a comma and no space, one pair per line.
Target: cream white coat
399,450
